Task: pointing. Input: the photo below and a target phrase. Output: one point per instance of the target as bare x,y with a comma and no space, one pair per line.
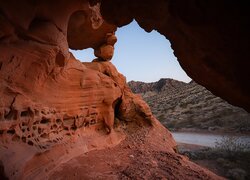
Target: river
204,139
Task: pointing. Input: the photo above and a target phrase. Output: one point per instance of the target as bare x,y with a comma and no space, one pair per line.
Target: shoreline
215,132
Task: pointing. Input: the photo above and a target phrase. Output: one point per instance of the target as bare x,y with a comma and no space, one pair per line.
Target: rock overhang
52,98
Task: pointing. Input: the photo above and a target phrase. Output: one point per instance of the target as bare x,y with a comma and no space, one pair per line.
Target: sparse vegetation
231,145
230,156
191,106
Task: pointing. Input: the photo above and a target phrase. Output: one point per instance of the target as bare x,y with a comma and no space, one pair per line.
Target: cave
39,75
140,56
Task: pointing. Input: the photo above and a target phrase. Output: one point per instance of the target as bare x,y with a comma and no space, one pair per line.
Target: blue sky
141,56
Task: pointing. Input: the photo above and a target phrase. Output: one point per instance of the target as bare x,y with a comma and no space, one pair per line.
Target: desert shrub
231,154
171,124
243,124
231,145
237,174
161,117
183,105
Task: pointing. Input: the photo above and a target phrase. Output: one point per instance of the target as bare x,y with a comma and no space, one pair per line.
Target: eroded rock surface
53,108
50,114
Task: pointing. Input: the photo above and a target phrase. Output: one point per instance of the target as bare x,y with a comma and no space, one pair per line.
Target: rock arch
210,39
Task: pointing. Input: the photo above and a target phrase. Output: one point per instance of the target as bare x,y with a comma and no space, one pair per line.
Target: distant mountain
189,106
159,86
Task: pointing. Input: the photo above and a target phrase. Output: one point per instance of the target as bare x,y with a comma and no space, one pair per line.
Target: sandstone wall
53,108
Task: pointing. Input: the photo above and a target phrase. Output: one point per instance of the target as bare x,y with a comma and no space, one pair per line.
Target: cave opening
141,56
148,57
144,57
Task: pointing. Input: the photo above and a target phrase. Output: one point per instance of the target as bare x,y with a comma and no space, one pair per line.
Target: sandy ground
134,158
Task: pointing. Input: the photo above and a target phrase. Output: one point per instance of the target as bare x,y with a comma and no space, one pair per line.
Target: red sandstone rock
55,109
105,52
111,39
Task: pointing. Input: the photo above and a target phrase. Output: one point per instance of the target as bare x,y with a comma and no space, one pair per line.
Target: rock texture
189,106
106,51
54,109
210,39
52,112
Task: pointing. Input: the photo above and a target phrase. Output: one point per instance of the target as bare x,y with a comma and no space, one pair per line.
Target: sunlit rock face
53,108
210,39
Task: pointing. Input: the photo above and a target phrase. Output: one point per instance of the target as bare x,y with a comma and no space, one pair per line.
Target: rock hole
58,121
116,106
29,113
34,127
1,132
11,131
60,59
24,113
11,115
1,64
106,73
45,121
30,143
54,126
39,130
66,128
24,139
86,124
93,121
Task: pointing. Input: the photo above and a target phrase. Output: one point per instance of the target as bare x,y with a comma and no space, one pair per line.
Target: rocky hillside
189,106
162,85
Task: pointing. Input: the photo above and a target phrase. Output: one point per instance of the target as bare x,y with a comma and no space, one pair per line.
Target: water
205,139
